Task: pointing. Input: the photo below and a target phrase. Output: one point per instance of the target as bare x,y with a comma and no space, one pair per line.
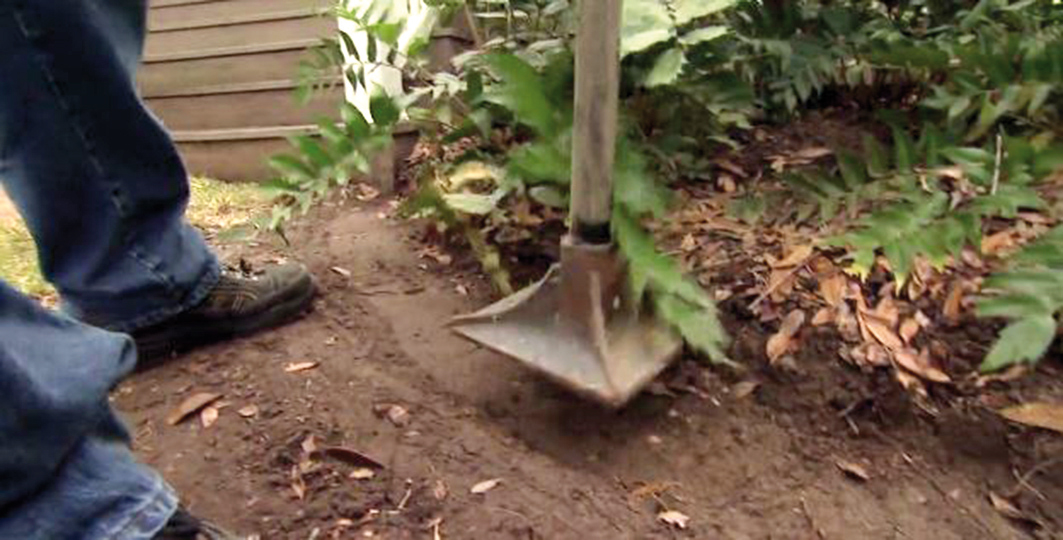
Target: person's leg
94,174
103,191
65,467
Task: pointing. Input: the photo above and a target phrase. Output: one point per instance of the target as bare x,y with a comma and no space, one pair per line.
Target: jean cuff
150,518
197,293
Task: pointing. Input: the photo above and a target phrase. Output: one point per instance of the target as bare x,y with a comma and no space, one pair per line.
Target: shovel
574,325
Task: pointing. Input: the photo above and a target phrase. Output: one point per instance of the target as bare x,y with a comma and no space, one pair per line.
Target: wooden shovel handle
595,122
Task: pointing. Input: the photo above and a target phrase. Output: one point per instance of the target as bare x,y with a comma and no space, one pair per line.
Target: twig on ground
406,496
1024,480
778,283
811,521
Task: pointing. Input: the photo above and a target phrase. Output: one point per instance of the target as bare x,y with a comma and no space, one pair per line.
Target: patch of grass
214,207
20,260
217,205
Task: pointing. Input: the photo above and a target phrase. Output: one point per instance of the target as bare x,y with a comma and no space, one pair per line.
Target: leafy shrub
976,85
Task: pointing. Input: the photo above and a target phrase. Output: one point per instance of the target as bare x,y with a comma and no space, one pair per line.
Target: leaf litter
296,367
1042,415
191,405
853,470
783,340
483,487
674,518
208,416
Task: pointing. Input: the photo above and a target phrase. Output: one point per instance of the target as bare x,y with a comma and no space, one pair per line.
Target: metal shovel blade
605,354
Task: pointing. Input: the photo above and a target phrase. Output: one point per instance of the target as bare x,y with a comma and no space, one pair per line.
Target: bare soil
759,464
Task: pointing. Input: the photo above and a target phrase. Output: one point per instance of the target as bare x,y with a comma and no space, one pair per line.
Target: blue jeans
103,192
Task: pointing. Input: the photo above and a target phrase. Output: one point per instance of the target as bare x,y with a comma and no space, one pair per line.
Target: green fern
923,218
636,194
1030,296
331,158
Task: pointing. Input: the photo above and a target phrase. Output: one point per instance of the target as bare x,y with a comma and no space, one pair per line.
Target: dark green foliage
968,90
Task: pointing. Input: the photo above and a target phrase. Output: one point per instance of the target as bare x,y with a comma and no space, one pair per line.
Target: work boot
238,305
185,526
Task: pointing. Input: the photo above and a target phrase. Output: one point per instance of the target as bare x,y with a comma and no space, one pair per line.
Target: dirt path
764,465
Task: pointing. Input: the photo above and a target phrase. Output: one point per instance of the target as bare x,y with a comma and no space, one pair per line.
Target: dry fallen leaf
833,289
854,470
439,490
726,183
744,389
688,244
1012,373
1037,414
674,518
780,343
995,243
350,457
882,333
847,323
366,192
909,329
208,416
297,483
922,319
309,445
341,271
887,311
954,172
823,316
877,355
248,411
434,525
398,415
296,367
795,257
910,382
953,303
361,474
1005,507
812,152
780,285
434,253
190,406
485,486
919,364
730,167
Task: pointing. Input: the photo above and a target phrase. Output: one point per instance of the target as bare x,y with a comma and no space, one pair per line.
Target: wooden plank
171,3
226,88
188,23
304,29
241,134
198,72
258,86
245,159
238,50
161,17
259,133
243,109
232,161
